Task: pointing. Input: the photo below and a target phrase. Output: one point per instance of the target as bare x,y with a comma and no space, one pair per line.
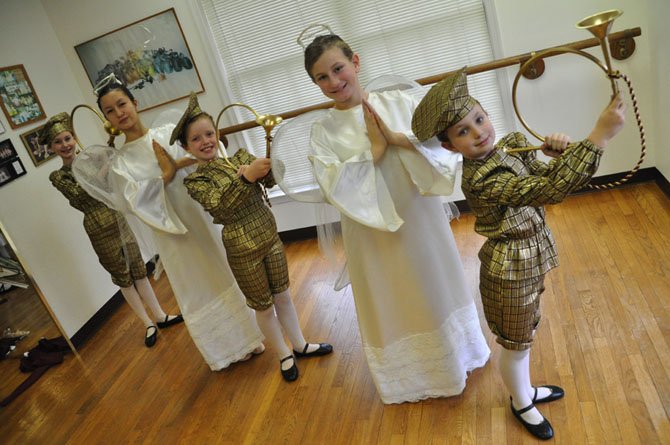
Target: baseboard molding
298,234
662,183
98,319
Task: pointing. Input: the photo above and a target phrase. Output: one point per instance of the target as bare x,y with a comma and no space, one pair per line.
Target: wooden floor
605,338
22,311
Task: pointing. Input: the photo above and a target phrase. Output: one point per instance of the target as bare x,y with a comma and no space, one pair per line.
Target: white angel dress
418,321
214,309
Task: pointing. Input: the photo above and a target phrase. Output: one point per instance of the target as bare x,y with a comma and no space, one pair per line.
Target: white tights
286,318
142,291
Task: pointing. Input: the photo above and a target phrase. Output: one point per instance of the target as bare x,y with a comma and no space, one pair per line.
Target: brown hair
111,87
320,45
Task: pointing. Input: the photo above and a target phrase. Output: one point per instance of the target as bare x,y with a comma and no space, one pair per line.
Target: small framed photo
150,56
7,151
19,100
11,170
38,153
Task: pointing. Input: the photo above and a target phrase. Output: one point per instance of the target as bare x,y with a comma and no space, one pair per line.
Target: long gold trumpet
109,129
599,25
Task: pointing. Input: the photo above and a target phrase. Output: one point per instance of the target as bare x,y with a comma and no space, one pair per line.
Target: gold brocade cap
192,110
57,124
446,103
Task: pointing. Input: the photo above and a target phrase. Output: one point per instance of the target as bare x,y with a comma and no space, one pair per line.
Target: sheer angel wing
169,116
290,166
91,169
392,82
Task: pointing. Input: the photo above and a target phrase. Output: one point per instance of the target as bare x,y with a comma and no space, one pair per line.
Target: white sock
288,318
514,369
271,329
149,297
133,299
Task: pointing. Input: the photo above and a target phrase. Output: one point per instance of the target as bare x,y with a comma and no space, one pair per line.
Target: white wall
48,233
573,91
43,33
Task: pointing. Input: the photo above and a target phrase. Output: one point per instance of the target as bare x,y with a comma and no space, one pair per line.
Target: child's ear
448,146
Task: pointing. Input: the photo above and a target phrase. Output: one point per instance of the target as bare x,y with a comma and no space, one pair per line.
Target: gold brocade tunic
110,235
255,252
506,193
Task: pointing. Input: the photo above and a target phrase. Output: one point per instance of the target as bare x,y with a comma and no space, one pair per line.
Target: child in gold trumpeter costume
506,193
229,189
112,239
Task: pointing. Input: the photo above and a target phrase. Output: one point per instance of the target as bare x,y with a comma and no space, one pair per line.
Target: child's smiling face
473,136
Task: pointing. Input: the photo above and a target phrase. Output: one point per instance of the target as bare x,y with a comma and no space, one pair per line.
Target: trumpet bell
599,24
111,130
268,120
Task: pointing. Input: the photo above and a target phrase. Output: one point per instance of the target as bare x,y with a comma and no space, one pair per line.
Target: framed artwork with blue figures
150,56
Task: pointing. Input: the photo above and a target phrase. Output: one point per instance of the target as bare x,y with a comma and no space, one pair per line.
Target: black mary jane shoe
170,321
542,430
323,349
556,393
290,374
150,340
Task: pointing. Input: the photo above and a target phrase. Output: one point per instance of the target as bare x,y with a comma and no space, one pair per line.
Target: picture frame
150,56
39,153
18,99
2,128
11,170
7,151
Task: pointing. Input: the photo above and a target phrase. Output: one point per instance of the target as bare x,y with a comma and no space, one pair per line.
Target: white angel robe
418,322
189,244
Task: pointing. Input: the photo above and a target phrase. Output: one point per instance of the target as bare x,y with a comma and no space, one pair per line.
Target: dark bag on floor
47,353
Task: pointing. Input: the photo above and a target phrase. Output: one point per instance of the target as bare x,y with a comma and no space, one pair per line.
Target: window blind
263,63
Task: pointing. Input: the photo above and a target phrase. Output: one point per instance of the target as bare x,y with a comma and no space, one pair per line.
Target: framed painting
150,56
19,101
39,153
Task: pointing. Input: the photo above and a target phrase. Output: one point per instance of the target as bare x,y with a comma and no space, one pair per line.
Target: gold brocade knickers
260,274
511,308
123,261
